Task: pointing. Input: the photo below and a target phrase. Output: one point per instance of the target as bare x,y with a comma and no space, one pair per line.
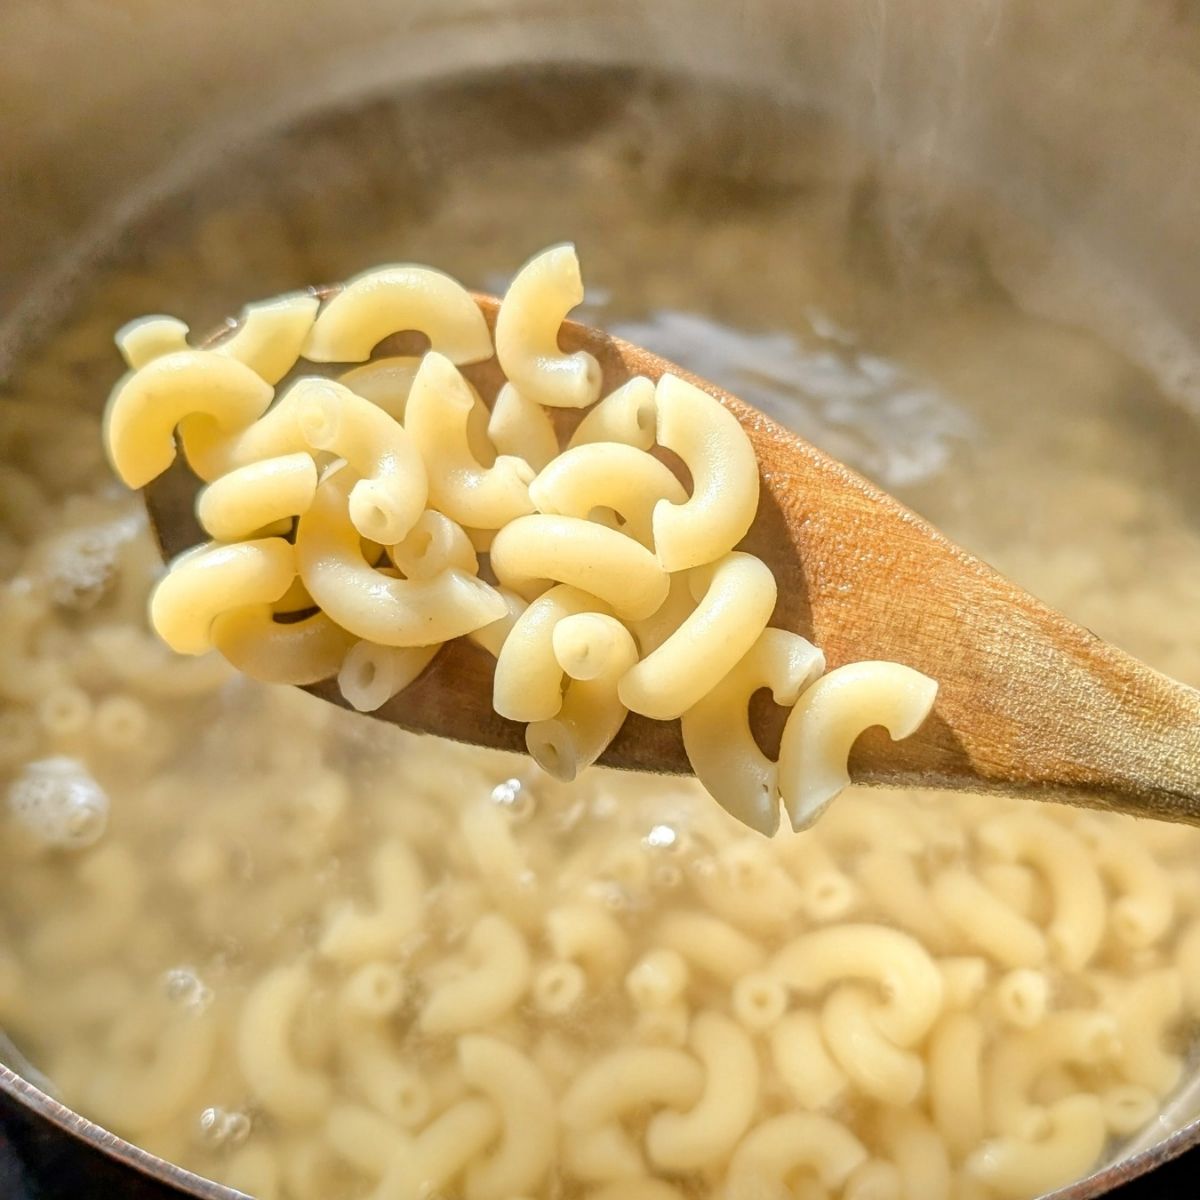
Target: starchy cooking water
313,956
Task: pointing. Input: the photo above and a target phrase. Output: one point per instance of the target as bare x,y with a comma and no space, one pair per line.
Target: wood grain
1029,703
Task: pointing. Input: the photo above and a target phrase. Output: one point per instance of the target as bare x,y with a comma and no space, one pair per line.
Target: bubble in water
184,987
515,799
662,837
59,804
219,1127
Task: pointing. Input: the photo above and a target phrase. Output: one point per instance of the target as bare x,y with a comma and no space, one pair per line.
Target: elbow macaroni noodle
396,476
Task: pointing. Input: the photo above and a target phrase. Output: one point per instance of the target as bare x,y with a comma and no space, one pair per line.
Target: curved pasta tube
274,1076
657,979
1077,896
146,406
587,644
440,1152
134,1094
390,612
636,1189
460,485
522,429
500,862
598,1155
716,729
296,652
492,637
897,963
386,502
893,883
964,978
674,610
396,299
544,290
759,1001
1017,1061
143,340
875,1180
1128,1107
1147,1010
269,335
375,1068
747,886
212,451
918,1152
1022,997
607,475
591,557
591,714
385,382
256,495
876,1065
590,935
709,944
434,544
200,585
1015,1168
628,1080
490,988
739,597
526,1105
353,936
706,1134
363,1138
986,922
803,1063
779,1146
528,680
370,675
955,1073
720,458
826,723
626,415
255,1171
558,987
1145,907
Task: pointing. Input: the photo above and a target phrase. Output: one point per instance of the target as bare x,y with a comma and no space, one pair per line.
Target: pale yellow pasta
374,1068
270,335
898,964
1186,958
626,415
295,652
353,935
893,884
720,746
607,475
370,675
278,1081
249,498
709,944
775,1149
748,887
500,861
705,1135
636,1189
527,1108
874,1180
199,586
826,892
537,302
522,429
558,988
496,978
955,1080
146,406
1079,913
536,549
803,1064
653,630
827,720
657,979
390,612
375,989
386,501
591,713
724,471
24,675
628,1081
874,1064
1145,907
1128,1107
1017,1168
600,1154
440,1152
437,418
1016,885
528,681
386,382
399,299
759,1001
255,1171
434,544
665,1026
738,597
590,644
587,934
363,1138
1148,1009
918,1152
985,922
1022,997
146,338
492,637
1017,1060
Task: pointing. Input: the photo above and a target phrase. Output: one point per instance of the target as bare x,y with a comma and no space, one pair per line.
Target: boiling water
252,896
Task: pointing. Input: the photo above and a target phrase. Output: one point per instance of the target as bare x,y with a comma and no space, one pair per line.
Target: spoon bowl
1028,703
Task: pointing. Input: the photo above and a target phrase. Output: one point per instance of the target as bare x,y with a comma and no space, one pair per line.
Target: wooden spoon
1029,703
